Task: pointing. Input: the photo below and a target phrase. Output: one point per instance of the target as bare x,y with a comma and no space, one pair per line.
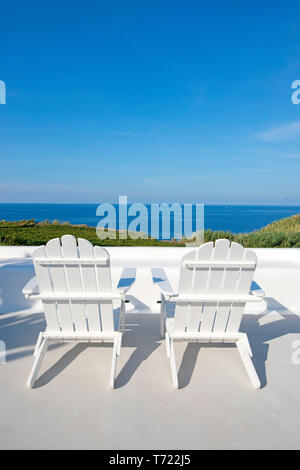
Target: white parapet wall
278,274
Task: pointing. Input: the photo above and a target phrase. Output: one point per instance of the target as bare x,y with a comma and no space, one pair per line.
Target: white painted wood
247,274
167,337
195,316
127,279
186,277
40,354
181,316
242,348
70,250
211,299
50,311
103,272
220,253
42,272
57,273
70,261
199,286
107,318
122,317
104,285
74,280
82,296
93,315
86,250
242,287
173,365
74,284
205,253
119,344
113,364
210,337
232,273
163,315
208,316
89,283
45,285
233,255
38,343
100,336
160,279
219,264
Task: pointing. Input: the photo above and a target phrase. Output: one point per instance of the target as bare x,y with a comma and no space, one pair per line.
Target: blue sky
161,101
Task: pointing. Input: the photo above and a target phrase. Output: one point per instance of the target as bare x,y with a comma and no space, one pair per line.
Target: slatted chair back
214,270
74,280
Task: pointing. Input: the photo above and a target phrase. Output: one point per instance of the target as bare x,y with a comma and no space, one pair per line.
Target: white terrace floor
215,407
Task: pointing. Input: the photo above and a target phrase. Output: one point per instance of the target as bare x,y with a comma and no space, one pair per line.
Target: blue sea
235,218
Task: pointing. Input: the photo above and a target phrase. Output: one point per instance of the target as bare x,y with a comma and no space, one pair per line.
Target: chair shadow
188,364
189,359
259,337
11,296
60,365
137,304
142,332
20,333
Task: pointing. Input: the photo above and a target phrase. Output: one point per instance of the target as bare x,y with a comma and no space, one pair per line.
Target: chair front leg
173,364
39,356
113,363
38,343
122,316
243,349
167,338
119,344
163,315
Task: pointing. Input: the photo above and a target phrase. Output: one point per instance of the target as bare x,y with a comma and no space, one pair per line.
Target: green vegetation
284,233
31,233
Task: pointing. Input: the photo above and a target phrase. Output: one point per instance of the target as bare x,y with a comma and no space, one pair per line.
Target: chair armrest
31,288
161,280
126,281
256,290
202,298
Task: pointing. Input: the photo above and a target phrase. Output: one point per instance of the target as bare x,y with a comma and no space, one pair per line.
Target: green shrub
283,233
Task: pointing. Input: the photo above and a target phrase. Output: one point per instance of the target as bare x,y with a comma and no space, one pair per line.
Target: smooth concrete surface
216,407
71,406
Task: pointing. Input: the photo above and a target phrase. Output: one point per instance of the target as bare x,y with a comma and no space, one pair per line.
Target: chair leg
38,343
163,316
113,363
39,356
173,365
247,344
122,316
168,344
119,345
244,353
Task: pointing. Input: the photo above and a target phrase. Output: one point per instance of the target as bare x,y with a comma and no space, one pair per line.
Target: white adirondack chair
214,287
74,283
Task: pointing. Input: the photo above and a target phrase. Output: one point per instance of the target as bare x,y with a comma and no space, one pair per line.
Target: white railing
16,268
